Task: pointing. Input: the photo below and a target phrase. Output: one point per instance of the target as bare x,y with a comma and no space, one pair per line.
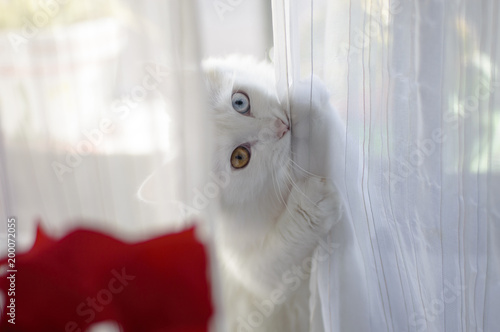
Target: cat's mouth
282,128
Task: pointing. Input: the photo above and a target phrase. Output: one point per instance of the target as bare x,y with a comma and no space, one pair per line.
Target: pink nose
281,128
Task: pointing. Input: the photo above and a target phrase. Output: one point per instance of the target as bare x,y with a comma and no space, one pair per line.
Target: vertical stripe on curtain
416,84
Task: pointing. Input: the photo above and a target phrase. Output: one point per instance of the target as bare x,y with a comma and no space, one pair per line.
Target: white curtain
416,83
96,96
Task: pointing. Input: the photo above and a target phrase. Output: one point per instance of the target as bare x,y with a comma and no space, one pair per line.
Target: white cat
279,200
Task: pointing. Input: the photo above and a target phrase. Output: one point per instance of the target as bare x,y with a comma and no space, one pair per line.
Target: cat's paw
309,100
313,126
315,205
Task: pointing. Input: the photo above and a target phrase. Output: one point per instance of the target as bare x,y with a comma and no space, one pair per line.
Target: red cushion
87,277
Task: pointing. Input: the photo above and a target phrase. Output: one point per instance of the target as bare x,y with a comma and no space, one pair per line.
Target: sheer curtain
416,83
95,97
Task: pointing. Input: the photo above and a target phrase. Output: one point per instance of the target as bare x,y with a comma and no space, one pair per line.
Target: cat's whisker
290,178
298,167
290,162
277,191
291,181
280,195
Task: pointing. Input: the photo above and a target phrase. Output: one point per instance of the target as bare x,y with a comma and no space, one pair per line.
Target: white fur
273,212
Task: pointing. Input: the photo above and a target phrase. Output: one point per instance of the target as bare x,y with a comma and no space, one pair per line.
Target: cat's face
252,136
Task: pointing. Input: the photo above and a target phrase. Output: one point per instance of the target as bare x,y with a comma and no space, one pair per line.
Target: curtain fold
416,86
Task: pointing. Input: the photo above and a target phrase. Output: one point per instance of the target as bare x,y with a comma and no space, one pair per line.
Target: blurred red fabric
89,277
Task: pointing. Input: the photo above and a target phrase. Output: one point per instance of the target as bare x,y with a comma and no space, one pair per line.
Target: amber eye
240,157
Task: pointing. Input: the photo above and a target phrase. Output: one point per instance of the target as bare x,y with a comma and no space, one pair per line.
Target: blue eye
241,103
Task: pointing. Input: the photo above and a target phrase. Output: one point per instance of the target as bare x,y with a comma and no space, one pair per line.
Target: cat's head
252,136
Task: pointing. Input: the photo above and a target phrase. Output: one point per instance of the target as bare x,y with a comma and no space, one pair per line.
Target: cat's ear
214,75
